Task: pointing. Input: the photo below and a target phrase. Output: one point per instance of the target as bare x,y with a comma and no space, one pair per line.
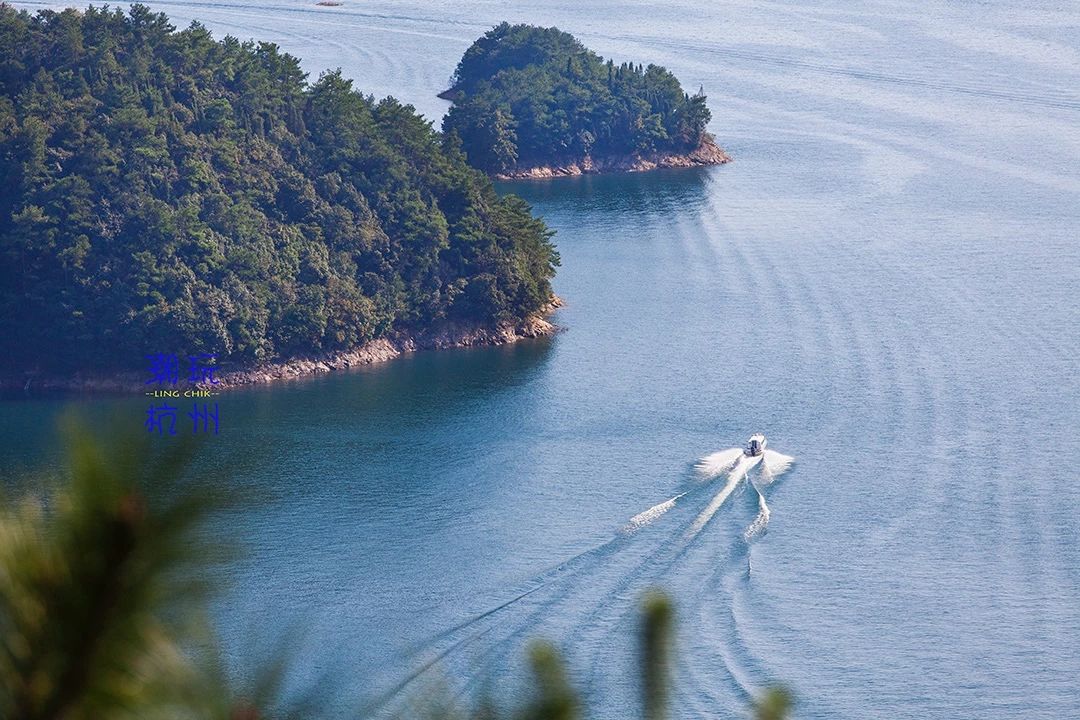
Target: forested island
166,192
535,102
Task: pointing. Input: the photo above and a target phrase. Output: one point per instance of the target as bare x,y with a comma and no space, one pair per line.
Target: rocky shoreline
375,351
707,153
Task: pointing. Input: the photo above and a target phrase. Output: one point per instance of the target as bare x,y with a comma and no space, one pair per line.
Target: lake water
884,281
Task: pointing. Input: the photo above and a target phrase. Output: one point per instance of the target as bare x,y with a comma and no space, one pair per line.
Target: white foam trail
776,464
737,464
773,464
761,521
765,477
716,463
742,466
644,518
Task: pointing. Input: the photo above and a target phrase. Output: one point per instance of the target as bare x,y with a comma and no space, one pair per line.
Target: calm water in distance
884,281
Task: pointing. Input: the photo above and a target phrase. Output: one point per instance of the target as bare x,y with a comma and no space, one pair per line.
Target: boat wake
584,598
773,464
718,462
644,518
761,522
737,464
736,472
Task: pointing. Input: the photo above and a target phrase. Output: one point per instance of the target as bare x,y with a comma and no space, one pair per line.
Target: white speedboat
755,446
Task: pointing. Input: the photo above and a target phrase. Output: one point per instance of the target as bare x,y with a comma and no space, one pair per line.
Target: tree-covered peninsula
531,101
167,192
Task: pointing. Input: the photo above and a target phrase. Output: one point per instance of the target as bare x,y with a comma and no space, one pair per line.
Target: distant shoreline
706,153
370,353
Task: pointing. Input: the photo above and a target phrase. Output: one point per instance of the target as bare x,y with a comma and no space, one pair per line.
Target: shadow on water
358,410
380,405
655,192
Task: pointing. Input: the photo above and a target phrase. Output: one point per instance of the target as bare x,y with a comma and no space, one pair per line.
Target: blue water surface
884,282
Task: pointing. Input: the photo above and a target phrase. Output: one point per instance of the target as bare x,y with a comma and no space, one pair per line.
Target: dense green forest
167,192
526,96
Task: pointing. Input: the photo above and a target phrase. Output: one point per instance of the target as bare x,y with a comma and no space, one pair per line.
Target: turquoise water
883,282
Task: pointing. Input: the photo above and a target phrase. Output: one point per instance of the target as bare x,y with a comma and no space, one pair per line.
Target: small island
535,102
167,192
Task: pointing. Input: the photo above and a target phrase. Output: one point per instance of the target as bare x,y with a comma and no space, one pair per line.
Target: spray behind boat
737,465
718,475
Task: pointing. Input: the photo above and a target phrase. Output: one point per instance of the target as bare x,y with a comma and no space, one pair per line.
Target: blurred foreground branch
98,585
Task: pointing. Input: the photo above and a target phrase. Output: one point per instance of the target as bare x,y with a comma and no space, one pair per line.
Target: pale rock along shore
707,153
375,351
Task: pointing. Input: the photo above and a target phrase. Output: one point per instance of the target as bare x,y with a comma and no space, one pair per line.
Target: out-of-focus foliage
774,704
166,192
526,96
655,656
97,585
